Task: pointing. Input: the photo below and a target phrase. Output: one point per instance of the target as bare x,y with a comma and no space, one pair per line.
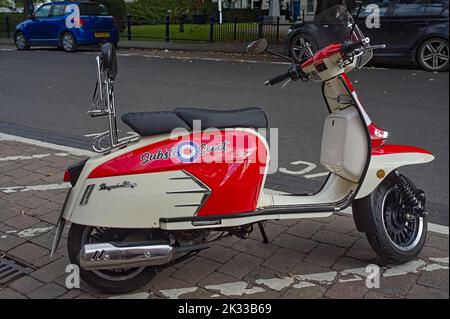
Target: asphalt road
49,90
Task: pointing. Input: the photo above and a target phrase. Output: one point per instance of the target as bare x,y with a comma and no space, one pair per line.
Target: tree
5,3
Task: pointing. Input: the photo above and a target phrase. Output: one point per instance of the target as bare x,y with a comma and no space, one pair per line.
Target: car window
43,11
409,8
92,9
437,8
383,5
58,10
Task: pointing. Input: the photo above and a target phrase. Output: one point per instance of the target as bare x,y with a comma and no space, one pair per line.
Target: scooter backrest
109,60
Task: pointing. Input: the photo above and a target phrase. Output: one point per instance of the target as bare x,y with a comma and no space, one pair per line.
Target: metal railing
212,31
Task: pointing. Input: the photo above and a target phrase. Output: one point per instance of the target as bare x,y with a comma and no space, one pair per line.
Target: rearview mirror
257,46
109,60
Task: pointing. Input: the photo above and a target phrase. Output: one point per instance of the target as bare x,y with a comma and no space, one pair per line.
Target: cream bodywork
155,195
388,163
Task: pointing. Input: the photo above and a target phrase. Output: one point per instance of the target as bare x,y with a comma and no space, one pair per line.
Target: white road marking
325,277
235,289
30,157
31,232
433,267
309,167
410,267
215,59
311,280
45,187
176,293
67,149
436,228
316,175
277,284
440,260
139,295
303,284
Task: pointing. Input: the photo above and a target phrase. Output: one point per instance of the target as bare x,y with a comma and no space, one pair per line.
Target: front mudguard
383,162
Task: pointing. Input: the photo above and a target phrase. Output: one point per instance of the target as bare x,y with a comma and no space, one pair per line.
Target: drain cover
10,271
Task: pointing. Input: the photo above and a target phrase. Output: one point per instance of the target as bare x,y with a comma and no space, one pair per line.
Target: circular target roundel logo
188,152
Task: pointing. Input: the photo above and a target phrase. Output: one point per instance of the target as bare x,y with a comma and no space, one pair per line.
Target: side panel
388,158
203,174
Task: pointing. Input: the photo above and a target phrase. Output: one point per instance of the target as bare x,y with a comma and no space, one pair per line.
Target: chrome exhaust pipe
119,255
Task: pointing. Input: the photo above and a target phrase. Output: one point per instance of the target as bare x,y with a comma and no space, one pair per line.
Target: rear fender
387,158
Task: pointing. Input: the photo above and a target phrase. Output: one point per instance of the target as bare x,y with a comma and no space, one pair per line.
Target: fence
8,24
186,30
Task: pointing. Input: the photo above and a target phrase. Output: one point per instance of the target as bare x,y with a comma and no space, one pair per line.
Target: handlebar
294,73
349,47
277,79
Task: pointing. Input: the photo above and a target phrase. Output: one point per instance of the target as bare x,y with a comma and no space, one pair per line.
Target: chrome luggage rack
103,105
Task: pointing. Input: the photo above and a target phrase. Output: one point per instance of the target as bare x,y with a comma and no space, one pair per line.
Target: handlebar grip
350,46
278,79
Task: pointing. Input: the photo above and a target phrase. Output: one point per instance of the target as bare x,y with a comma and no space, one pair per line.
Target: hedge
14,18
118,9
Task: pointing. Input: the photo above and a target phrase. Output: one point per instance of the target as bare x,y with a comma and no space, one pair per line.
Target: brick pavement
320,258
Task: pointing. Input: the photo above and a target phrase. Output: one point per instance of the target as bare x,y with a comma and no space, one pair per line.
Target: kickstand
263,233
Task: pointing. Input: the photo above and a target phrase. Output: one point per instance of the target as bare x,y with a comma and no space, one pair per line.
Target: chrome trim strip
189,191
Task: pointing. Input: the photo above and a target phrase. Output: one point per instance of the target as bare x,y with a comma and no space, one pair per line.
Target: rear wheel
398,236
21,41
68,42
433,55
298,48
111,280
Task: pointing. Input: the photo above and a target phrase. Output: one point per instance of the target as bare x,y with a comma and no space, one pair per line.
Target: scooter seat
252,117
153,123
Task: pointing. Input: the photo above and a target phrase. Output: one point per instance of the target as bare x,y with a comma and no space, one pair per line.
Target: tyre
298,47
113,281
68,42
21,41
433,55
395,236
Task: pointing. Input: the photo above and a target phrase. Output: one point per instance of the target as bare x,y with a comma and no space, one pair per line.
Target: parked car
414,31
48,26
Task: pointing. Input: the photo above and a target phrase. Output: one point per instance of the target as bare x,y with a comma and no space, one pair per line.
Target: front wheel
111,280
397,235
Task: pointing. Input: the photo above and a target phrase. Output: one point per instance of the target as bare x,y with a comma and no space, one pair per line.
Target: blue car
67,25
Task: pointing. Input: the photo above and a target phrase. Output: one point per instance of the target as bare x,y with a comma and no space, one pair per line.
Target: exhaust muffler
119,255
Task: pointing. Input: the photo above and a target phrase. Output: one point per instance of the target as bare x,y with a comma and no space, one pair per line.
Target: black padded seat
252,117
153,123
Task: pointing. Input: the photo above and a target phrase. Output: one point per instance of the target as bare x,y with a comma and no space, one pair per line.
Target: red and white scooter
153,200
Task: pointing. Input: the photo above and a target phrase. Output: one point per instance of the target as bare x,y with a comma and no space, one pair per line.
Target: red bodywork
234,173
320,55
396,149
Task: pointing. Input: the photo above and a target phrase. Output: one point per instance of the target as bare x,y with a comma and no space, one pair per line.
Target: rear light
73,172
82,23
66,176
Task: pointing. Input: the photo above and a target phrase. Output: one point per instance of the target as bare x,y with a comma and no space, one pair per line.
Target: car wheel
298,48
69,43
21,42
433,55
